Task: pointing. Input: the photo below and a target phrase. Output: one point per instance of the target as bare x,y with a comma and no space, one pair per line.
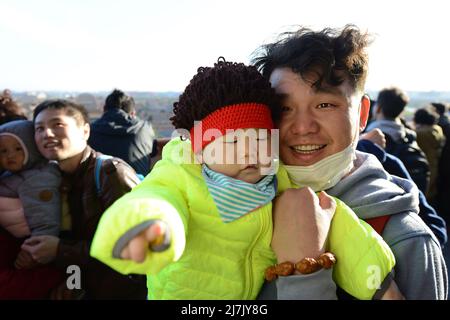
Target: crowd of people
283,181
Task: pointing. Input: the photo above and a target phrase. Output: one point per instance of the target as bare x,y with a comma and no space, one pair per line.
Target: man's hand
43,249
301,224
376,136
24,260
138,247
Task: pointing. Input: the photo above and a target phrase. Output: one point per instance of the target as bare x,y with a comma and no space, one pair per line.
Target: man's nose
48,132
304,123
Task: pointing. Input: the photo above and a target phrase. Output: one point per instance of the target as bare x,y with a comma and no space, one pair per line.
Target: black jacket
120,135
86,207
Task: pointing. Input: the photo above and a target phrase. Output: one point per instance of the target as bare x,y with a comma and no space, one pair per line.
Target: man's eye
285,109
325,105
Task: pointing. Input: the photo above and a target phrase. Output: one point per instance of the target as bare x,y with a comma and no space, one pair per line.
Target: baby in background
29,187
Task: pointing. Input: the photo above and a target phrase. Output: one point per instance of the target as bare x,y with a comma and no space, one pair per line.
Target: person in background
120,133
9,109
61,133
400,140
29,205
444,119
431,140
443,179
29,188
374,142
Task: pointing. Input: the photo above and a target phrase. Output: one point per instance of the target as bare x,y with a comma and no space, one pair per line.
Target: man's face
314,124
59,136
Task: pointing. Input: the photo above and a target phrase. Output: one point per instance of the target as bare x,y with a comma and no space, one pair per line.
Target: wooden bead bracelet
305,266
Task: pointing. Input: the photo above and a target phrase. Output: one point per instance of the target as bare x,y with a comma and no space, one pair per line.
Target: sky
157,45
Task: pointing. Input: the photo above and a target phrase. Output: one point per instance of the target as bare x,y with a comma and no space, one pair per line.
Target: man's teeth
51,145
308,148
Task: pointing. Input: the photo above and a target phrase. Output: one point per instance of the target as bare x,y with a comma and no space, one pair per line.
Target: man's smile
308,148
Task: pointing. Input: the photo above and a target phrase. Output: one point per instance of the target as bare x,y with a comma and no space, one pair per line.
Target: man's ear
364,109
86,131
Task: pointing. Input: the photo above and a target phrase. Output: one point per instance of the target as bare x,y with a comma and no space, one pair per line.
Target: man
120,133
61,134
444,120
400,140
321,76
443,200
431,140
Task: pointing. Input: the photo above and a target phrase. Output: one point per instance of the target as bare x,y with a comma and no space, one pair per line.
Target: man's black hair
119,100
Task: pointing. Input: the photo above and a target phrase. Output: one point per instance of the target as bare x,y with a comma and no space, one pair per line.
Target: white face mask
324,174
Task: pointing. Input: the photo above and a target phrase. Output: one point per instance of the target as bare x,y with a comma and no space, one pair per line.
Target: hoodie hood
371,192
23,131
396,131
118,122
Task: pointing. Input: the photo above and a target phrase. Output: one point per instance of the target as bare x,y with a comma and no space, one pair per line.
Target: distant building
41,96
92,105
160,120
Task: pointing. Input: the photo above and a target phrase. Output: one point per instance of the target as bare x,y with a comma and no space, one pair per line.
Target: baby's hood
23,131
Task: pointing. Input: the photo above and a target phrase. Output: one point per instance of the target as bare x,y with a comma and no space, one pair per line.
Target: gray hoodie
420,270
36,185
397,131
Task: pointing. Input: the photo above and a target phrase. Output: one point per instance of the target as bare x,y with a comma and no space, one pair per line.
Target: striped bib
235,198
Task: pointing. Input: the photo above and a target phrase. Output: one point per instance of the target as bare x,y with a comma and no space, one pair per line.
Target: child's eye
285,109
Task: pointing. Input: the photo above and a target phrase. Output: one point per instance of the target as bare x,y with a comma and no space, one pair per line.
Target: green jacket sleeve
159,197
364,259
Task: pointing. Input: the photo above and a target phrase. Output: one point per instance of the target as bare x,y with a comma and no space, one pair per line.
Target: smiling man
61,134
321,77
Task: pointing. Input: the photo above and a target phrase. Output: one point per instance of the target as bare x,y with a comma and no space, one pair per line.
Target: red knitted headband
236,116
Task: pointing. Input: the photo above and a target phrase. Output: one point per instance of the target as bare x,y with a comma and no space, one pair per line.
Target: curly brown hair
332,55
225,84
